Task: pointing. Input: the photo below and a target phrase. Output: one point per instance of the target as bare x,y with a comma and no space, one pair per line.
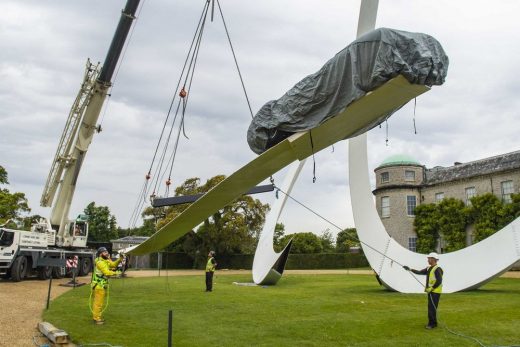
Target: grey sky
44,46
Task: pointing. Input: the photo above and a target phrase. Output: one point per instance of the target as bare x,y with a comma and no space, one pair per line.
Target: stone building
402,183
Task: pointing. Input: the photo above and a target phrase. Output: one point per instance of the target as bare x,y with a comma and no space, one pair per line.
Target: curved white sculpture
268,265
465,269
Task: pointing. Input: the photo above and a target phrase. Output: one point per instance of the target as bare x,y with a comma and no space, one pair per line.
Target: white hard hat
433,255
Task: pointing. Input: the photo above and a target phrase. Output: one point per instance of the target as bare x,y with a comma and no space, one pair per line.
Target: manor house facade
402,183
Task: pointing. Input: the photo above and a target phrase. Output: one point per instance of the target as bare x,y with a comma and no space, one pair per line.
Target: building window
439,196
411,202
470,192
385,206
412,244
385,177
409,175
507,190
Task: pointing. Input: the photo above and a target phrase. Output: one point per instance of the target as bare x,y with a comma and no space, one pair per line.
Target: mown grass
301,310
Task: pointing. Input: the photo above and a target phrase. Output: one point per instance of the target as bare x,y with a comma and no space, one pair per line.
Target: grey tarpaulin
362,66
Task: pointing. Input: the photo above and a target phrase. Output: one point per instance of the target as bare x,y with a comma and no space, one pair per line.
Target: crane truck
51,241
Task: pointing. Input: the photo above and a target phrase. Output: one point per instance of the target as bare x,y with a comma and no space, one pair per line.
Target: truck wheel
19,268
56,272
44,272
85,266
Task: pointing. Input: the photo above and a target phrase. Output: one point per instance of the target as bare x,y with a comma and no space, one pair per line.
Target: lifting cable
414,107
141,200
183,100
184,93
184,96
234,57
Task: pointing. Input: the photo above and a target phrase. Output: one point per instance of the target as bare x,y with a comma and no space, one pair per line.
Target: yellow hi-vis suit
99,283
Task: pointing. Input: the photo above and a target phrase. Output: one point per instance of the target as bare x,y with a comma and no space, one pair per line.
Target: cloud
277,43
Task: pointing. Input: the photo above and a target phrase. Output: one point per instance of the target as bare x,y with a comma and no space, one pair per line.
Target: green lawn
301,310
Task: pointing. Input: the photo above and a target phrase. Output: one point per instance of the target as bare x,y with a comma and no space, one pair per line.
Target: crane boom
62,158
80,128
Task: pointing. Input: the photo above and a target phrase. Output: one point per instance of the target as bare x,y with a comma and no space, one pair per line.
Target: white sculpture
466,269
268,265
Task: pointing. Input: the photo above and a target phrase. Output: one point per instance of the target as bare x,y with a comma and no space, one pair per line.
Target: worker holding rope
433,286
103,266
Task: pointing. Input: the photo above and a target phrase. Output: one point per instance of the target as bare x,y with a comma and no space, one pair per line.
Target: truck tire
44,272
19,268
56,272
85,266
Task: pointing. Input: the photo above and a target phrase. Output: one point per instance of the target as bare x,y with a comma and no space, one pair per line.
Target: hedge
326,261
172,261
245,261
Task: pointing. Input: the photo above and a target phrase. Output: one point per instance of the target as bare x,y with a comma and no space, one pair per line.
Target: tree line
234,229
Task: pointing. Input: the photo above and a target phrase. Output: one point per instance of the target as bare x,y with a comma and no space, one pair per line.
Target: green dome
399,159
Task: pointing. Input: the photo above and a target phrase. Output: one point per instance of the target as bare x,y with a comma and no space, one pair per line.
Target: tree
346,239
12,205
327,241
147,229
234,229
452,223
279,232
426,227
153,219
447,219
102,224
513,209
3,176
488,214
304,243
30,220
163,215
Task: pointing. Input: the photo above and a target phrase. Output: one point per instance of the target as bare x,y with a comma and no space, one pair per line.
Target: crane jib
118,41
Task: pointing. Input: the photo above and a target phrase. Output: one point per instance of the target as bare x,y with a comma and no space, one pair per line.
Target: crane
51,241
77,136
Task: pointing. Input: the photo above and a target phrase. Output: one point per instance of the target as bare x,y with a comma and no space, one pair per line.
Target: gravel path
22,303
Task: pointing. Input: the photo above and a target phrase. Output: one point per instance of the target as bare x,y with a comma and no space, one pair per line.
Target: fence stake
170,319
49,292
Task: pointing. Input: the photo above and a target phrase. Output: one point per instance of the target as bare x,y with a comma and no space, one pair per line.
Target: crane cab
76,233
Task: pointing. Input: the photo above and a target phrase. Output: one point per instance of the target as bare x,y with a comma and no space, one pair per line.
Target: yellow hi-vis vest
102,271
431,280
209,265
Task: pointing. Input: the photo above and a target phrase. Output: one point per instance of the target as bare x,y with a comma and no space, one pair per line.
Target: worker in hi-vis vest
433,287
210,270
103,266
